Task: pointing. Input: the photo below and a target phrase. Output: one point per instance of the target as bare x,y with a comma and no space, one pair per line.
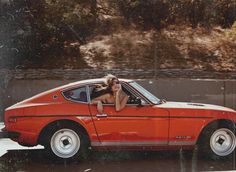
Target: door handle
101,115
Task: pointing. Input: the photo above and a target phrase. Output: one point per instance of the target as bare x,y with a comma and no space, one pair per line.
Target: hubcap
65,143
223,142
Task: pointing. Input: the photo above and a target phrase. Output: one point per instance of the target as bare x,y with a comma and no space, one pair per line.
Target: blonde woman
111,94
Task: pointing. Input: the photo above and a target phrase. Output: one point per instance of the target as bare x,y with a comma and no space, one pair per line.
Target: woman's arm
120,100
101,98
98,101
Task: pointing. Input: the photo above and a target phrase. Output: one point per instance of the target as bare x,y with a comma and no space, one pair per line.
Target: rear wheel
67,142
217,142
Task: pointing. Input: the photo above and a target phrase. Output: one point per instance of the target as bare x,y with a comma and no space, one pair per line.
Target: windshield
146,93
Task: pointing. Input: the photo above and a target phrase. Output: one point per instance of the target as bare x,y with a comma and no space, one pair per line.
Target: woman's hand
118,88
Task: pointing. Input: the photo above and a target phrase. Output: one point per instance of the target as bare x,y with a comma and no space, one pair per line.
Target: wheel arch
216,123
59,122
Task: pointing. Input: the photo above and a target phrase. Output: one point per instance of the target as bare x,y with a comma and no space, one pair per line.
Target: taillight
12,119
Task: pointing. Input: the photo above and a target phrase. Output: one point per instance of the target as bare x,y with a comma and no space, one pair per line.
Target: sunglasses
116,82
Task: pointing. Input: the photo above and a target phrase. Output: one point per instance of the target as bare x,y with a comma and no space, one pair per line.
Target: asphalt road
34,160
18,158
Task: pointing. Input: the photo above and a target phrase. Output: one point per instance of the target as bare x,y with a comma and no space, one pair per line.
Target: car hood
189,105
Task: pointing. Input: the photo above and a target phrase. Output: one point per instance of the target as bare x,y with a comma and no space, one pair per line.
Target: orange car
67,124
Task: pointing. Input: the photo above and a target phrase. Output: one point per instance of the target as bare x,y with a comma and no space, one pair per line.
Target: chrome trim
143,143
181,143
130,143
101,115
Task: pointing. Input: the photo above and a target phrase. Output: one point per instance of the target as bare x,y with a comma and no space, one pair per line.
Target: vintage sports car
68,125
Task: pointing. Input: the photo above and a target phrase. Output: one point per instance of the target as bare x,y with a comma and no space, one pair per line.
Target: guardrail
172,85
86,73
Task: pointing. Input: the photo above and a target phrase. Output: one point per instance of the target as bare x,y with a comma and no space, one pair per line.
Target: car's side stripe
41,116
117,116
112,116
191,117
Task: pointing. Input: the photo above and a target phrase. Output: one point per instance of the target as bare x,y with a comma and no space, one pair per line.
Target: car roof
97,80
83,82
71,85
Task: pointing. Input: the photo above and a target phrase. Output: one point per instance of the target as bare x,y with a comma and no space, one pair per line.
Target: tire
66,142
217,142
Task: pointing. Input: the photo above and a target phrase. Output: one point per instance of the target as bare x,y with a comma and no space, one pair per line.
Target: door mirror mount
139,102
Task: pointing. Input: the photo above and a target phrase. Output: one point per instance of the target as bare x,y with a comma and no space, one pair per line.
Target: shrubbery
32,31
160,13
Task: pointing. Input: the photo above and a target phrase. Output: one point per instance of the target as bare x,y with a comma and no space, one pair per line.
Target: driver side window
133,99
97,90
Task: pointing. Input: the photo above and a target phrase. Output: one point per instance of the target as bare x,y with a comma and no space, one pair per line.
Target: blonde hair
109,79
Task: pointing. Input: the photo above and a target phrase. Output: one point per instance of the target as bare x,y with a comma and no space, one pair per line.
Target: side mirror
139,102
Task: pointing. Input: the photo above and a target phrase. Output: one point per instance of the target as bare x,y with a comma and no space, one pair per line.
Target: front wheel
217,142
222,142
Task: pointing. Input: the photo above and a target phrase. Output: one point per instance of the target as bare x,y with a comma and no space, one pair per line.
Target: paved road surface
19,158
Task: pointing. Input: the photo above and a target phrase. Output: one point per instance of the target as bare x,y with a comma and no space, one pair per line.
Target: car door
134,125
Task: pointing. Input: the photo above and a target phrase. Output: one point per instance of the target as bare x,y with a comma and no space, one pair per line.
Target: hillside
108,34
171,48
